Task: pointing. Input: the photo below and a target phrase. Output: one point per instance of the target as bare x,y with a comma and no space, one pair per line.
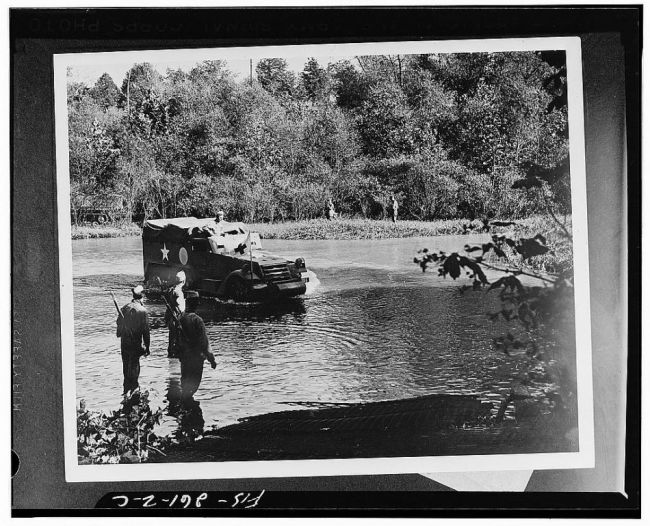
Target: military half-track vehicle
220,259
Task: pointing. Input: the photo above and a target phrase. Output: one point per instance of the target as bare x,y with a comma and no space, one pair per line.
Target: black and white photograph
360,255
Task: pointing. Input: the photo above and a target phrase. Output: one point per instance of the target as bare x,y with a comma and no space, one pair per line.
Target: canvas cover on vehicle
180,229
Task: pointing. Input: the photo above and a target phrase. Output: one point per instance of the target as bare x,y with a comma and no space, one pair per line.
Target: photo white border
584,458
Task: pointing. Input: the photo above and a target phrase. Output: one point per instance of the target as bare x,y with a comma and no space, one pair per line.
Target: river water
373,327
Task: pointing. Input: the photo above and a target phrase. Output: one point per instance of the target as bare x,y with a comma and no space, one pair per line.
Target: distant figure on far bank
133,329
193,348
331,212
177,303
395,208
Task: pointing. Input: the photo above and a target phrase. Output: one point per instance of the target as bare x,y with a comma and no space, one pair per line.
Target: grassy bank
99,231
378,229
309,229
357,229
340,229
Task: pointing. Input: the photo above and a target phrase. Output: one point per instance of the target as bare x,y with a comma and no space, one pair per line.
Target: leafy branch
123,436
531,307
451,264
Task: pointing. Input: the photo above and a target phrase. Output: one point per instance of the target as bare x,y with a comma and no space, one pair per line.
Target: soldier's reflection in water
174,395
192,348
187,412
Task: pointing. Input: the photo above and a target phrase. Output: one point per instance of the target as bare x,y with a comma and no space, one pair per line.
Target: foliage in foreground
541,317
124,436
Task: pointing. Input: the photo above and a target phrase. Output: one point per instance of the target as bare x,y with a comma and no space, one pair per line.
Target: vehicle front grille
277,273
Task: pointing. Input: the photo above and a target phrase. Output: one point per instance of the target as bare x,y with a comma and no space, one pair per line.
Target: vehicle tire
237,289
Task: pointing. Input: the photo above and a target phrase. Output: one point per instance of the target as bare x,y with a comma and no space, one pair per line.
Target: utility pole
128,89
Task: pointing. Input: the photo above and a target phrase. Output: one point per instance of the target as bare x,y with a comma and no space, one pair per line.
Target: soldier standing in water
177,304
193,350
133,329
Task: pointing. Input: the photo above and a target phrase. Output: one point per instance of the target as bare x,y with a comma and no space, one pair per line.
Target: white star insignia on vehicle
165,252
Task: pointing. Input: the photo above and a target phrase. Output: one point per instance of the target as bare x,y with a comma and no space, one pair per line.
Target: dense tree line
448,135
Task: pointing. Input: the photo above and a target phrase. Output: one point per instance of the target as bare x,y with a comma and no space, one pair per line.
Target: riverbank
359,229
315,229
312,229
105,231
